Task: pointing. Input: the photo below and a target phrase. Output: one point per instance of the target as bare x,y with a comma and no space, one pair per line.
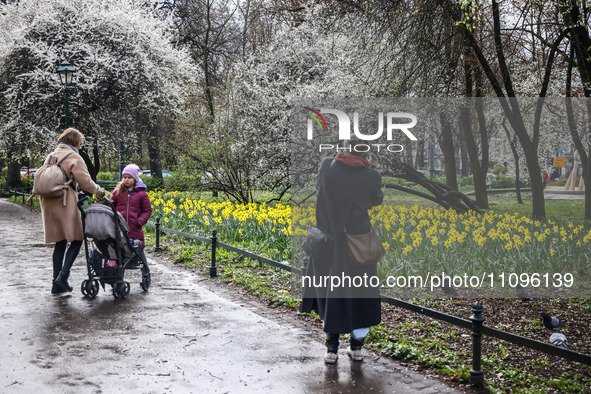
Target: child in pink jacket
132,202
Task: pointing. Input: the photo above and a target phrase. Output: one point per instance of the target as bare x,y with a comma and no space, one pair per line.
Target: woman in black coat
346,189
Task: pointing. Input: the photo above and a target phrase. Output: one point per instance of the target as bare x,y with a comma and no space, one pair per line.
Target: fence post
476,374
157,248
213,271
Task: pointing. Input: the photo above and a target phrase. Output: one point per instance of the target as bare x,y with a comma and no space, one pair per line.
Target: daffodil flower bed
259,228
418,240
421,239
431,240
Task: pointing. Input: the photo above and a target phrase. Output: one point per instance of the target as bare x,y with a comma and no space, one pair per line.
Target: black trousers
59,265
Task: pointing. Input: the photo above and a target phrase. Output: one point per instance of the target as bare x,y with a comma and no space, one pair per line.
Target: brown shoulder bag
365,249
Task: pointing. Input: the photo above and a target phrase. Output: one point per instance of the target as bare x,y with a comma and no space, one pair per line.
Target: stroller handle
109,202
83,197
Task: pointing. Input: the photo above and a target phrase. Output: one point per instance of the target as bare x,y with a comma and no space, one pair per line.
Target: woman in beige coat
63,224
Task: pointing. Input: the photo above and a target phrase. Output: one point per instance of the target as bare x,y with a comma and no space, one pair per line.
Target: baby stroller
109,251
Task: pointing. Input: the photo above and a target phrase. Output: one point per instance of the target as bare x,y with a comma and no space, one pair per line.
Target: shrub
439,179
462,180
151,182
27,182
107,176
183,181
503,181
465,181
388,180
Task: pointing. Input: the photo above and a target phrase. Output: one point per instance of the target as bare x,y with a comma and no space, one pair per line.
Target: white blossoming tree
309,60
329,54
127,72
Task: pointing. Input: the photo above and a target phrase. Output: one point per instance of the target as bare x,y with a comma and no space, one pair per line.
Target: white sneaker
355,355
330,358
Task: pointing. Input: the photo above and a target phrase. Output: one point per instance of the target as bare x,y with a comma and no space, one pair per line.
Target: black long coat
344,195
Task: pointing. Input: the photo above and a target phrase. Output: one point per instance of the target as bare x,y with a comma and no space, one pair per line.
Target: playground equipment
571,182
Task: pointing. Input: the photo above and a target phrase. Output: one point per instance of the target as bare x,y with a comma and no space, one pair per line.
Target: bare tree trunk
447,146
513,145
464,156
585,162
481,165
154,151
420,158
510,104
91,169
97,158
530,146
478,174
517,180
580,44
206,67
408,157
480,192
13,175
587,180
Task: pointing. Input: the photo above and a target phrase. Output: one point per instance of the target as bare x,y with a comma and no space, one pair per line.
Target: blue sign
561,152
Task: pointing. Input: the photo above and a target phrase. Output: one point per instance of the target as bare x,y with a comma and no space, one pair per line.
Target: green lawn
555,209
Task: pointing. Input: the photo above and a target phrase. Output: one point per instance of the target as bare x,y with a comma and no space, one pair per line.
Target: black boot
61,283
146,280
55,289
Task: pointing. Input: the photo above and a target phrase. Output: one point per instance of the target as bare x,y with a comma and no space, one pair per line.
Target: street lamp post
66,73
122,159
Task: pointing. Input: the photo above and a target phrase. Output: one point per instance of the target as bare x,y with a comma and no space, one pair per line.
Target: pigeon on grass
449,290
522,293
553,323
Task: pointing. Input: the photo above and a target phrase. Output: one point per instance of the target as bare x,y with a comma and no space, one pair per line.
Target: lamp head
66,72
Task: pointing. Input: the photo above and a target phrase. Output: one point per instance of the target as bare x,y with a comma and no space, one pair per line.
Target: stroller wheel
84,287
121,289
92,288
125,289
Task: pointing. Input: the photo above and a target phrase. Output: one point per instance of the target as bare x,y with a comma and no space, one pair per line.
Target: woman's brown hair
71,136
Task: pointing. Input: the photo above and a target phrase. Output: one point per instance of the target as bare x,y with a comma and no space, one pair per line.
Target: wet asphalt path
180,337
